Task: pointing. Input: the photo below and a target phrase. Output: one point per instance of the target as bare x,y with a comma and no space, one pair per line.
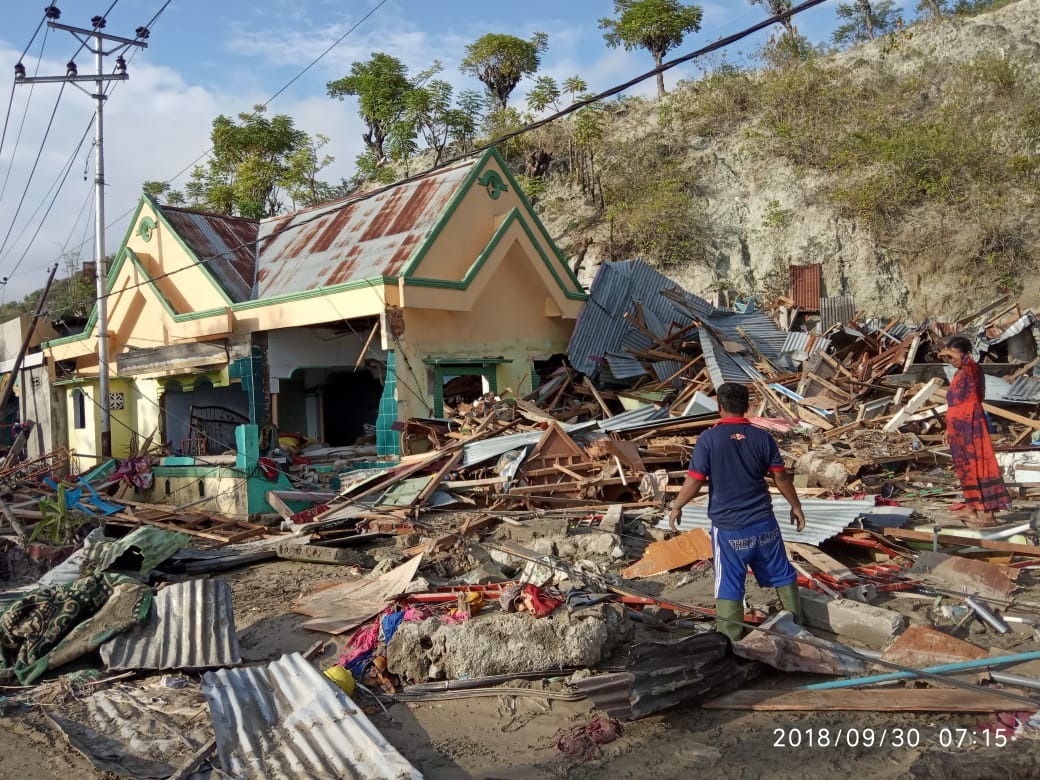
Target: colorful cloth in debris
37,623
137,471
584,741
970,444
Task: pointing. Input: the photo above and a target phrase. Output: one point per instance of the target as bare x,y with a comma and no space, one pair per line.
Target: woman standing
968,435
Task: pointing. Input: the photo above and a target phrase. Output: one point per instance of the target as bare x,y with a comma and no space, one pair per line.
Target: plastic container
342,677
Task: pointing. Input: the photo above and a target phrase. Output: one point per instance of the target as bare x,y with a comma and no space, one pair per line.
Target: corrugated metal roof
836,310
800,346
154,545
824,518
1016,327
286,720
362,237
724,366
1025,388
616,289
806,283
480,451
663,674
226,244
191,626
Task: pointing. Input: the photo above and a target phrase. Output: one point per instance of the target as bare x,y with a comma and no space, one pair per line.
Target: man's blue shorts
759,546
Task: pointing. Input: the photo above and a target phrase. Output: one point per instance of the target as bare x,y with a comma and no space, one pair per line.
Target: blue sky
224,56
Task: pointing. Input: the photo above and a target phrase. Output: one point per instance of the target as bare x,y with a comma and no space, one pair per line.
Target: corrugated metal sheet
1025,389
154,545
824,518
806,283
353,239
191,626
800,346
836,310
1018,326
226,244
616,289
659,675
481,451
285,720
725,366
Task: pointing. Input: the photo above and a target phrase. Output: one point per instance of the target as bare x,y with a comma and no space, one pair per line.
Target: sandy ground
513,737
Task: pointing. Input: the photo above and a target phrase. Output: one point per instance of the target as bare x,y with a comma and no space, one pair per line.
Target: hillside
909,167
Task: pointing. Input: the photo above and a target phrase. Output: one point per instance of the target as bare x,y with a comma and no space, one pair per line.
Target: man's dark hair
733,398
960,344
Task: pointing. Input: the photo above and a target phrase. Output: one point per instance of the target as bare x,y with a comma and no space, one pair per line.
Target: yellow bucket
342,677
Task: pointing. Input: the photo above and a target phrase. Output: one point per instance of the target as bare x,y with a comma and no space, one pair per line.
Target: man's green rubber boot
791,600
734,611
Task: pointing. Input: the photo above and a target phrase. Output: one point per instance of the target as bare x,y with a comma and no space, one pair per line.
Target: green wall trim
320,292
420,251
514,215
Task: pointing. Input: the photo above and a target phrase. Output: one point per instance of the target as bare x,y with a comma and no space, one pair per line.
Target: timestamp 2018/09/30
949,737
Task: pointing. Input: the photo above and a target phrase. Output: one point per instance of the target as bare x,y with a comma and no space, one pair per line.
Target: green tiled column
388,442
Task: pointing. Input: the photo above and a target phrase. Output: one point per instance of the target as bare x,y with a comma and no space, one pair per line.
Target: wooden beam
1011,416
888,700
954,540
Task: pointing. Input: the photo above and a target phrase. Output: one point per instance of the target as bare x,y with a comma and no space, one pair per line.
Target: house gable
486,218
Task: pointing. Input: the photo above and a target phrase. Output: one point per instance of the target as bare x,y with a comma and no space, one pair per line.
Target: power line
354,199
25,115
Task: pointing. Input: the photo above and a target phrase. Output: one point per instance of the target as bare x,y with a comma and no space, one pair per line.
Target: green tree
935,8
72,296
575,86
430,111
544,93
249,166
380,85
655,25
300,179
500,61
864,21
776,7
163,192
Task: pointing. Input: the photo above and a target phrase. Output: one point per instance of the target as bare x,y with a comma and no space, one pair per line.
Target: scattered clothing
583,741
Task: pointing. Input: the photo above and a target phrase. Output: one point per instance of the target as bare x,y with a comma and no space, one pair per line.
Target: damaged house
328,322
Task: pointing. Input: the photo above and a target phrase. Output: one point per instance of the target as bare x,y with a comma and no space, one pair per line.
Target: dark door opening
349,402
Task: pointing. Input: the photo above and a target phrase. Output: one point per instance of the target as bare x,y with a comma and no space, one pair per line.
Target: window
79,409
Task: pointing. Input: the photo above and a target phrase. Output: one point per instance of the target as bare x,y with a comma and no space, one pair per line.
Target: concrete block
294,551
875,627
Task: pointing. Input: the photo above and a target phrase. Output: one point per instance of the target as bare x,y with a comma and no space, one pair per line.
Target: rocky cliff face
939,256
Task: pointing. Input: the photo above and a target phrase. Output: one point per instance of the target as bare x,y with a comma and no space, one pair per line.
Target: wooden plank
278,505
595,394
822,561
921,397
963,541
853,700
1011,416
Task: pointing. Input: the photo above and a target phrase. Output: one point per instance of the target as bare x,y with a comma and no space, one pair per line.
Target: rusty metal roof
286,720
805,286
227,246
361,237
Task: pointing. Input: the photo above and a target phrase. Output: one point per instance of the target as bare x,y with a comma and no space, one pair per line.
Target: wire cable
25,115
323,211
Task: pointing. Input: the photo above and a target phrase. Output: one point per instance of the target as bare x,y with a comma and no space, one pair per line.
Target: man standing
734,458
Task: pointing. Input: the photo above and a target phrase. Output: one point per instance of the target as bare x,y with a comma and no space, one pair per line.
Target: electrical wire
10,101
56,186
32,173
352,200
25,116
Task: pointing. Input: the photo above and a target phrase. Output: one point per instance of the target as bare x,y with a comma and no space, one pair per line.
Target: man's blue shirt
734,457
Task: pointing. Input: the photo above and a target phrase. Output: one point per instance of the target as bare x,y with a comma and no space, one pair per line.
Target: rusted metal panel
362,237
227,246
286,720
805,286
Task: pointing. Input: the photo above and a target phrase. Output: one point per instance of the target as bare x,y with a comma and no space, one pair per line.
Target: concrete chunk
875,627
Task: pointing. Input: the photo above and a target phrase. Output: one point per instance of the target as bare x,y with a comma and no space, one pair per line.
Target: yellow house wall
83,447
226,491
507,320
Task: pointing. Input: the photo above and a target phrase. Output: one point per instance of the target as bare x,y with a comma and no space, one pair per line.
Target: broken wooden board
342,606
920,647
889,700
822,561
674,553
214,528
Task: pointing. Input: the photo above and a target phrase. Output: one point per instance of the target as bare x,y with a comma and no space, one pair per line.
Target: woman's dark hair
960,344
732,397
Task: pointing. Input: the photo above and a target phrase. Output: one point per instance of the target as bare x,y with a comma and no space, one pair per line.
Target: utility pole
94,40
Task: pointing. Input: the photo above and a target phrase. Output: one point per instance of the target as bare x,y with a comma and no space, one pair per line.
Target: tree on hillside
380,85
251,163
544,93
500,61
430,111
864,21
655,25
934,8
575,86
776,7
163,192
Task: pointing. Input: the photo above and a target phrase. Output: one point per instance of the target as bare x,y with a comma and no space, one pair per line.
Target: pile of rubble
522,538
